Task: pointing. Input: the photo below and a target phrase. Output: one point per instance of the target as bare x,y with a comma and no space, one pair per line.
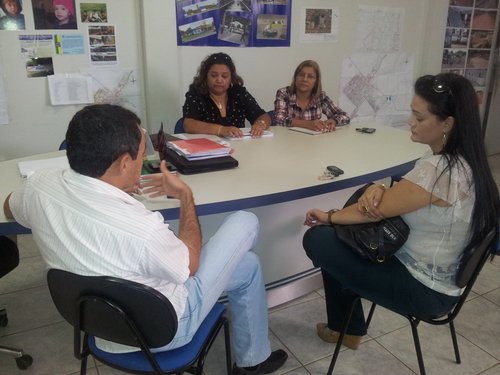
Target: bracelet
262,122
218,130
330,213
383,187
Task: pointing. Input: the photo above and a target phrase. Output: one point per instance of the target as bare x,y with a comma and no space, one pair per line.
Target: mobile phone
366,130
333,169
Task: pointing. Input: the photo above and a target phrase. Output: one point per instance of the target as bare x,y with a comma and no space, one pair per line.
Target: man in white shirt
84,220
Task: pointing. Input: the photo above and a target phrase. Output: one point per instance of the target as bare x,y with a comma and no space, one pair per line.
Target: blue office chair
62,146
132,314
271,114
9,259
179,126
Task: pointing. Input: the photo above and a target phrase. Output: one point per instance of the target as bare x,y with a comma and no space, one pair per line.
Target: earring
445,137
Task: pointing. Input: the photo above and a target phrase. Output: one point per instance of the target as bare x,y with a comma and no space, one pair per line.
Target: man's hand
164,183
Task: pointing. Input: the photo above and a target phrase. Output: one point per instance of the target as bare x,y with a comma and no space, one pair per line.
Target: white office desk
277,179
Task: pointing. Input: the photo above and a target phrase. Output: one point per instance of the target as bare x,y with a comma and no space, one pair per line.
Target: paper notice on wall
66,89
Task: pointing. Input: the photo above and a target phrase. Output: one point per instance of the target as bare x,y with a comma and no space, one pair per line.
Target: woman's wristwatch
330,213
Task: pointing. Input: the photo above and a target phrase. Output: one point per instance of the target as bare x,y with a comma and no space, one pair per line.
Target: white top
89,227
438,235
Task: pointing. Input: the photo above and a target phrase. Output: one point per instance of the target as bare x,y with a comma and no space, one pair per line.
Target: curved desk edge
265,200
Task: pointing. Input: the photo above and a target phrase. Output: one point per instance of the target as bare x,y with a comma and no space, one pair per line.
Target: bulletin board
242,23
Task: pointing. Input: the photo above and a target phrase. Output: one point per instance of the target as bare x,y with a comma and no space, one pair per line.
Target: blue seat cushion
168,360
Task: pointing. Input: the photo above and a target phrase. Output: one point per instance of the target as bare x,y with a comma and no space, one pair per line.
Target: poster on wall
233,23
468,40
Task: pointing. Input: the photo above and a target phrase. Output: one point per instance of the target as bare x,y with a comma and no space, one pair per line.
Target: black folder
185,166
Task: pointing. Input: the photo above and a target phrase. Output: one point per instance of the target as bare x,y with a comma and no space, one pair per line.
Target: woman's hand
369,202
164,183
258,129
330,125
315,217
229,132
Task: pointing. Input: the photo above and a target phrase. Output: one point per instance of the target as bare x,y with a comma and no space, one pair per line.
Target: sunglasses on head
440,87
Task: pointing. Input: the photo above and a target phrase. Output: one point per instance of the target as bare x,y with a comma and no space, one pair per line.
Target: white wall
146,39
36,126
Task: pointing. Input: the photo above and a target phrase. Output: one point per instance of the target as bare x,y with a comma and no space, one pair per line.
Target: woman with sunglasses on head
449,200
303,103
218,103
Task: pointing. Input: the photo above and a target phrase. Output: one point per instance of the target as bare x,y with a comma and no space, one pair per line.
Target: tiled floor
36,326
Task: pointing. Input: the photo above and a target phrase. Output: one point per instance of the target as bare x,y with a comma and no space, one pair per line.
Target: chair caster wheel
24,361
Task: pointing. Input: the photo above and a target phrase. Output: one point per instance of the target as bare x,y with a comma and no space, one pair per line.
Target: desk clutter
197,155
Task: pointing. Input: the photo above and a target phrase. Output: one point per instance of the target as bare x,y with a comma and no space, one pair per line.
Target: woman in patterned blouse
303,103
218,103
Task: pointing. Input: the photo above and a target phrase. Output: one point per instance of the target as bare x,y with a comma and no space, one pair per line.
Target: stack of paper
199,148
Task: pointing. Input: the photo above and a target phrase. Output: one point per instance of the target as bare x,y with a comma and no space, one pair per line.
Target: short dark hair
200,79
98,135
450,94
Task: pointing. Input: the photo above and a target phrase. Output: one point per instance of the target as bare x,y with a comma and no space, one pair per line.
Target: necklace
217,102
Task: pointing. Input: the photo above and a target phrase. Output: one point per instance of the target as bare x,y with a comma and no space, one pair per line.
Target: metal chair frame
469,269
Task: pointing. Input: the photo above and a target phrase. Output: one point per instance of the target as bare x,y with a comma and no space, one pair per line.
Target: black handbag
374,241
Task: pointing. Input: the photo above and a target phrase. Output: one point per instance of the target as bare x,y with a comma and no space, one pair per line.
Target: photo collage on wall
233,23
468,44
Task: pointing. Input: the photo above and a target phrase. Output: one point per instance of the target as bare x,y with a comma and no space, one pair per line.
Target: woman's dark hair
19,7
98,135
449,94
309,64
200,79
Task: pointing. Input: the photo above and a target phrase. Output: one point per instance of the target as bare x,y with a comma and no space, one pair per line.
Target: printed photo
476,76
39,67
478,58
481,39
456,38
487,4
200,8
54,14
11,15
318,21
93,12
454,58
236,5
484,19
459,17
235,28
102,43
196,30
271,26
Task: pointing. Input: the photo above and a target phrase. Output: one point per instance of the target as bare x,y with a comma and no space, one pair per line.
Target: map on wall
379,29
377,86
118,86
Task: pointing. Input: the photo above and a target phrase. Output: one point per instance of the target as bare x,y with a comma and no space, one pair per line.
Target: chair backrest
62,146
107,307
271,114
473,260
179,126
9,255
